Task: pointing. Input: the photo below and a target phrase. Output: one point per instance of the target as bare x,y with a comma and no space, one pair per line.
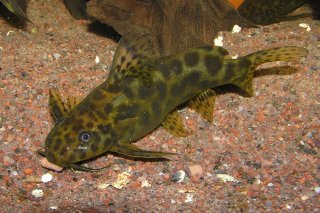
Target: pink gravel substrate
269,143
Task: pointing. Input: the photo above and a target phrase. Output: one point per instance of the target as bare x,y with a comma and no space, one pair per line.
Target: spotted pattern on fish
142,93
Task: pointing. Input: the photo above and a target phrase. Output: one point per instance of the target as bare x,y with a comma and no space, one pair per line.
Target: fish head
78,137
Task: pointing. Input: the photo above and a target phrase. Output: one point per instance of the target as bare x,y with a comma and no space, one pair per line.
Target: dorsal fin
132,49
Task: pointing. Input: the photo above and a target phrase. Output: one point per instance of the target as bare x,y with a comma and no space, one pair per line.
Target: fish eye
85,137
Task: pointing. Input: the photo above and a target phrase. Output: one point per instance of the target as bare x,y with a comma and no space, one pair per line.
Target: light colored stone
195,170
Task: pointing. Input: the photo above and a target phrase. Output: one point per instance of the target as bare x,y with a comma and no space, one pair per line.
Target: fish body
17,7
141,93
266,12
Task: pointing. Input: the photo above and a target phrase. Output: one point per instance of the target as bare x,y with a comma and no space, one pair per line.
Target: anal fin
204,104
246,84
174,124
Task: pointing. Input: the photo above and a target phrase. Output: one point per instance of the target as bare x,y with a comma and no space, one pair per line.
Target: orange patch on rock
236,3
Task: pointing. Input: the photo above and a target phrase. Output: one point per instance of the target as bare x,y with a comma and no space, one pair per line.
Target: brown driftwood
176,25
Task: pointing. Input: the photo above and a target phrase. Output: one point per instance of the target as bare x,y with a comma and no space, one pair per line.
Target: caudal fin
287,53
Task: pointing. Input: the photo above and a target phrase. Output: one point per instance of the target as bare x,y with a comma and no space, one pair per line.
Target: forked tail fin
287,53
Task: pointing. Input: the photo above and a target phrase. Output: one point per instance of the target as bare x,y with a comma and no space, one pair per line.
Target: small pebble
145,183
46,178
189,198
226,178
288,206
234,56
218,41
28,171
309,135
8,160
270,184
317,189
195,170
236,29
13,173
56,55
304,197
97,59
178,176
122,181
305,26
37,193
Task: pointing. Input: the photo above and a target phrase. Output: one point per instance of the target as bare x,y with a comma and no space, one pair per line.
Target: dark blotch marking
63,151
128,64
162,89
108,108
57,144
105,129
94,147
123,58
83,155
92,115
156,108
107,143
98,95
145,92
213,64
128,92
177,89
229,73
244,63
223,51
67,137
176,66
101,115
89,125
114,88
81,111
78,125
118,67
67,122
126,111
133,49
164,68
191,79
145,117
191,59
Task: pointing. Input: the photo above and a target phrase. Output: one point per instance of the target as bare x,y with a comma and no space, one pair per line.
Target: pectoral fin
87,169
204,104
58,107
133,151
174,124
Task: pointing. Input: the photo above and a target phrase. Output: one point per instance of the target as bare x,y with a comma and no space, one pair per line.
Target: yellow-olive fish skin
141,93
